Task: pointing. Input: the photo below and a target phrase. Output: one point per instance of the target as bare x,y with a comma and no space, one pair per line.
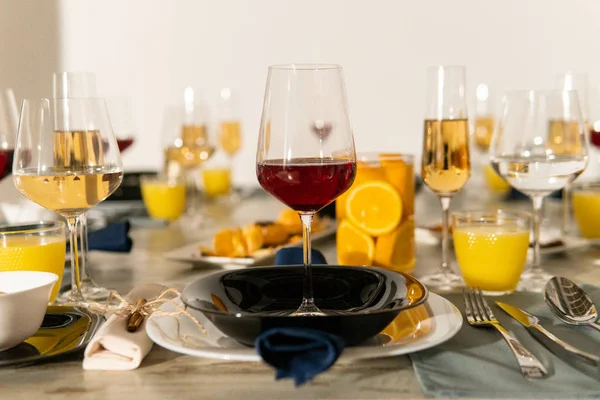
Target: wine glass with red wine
121,117
304,167
9,116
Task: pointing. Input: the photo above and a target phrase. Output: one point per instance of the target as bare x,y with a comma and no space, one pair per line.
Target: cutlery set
567,301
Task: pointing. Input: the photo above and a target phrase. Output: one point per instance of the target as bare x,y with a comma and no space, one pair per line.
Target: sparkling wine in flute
484,130
69,193
230,138
194,135
539,175
188,157
446,166
564,137
78,149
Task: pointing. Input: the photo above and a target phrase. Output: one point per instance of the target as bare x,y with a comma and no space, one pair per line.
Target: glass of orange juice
376,225
164,197
491,248
39,246
586,207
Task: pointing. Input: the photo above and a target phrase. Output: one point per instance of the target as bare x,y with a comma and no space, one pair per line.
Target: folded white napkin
113,348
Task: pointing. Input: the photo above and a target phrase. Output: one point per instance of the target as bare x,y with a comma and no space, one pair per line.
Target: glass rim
446,66
31,227
305,67
482,215
373,156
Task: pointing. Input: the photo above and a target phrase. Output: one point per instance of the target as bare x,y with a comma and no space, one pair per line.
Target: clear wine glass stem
566,209
76,296
308,306
538,202
83,270
445,201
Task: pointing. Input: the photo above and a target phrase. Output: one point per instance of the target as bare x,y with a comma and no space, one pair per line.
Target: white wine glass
446,164
539,147
67,160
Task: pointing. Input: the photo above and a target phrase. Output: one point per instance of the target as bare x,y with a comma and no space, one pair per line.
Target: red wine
124,143
6,162
306,184
595,137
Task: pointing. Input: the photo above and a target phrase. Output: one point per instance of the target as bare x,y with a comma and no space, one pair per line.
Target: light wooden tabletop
167,375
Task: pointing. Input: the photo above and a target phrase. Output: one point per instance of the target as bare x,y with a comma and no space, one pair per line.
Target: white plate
424,327
190,253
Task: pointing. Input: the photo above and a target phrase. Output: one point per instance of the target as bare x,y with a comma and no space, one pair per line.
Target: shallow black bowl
361,301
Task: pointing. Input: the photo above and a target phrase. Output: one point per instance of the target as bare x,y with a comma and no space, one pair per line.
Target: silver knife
531,322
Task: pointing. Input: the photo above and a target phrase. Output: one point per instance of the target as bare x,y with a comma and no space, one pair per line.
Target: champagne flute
525,154
446,165
298,167
578,82
67,160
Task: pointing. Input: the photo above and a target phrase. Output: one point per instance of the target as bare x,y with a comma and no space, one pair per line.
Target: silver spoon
570,303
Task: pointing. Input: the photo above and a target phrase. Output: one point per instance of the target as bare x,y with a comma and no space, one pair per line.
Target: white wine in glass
525,152
67,160
445,163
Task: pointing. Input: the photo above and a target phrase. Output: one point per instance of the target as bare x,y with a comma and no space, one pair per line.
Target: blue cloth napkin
113,237
298,353
295,256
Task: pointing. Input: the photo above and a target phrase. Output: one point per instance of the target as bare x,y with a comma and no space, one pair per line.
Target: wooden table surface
167,375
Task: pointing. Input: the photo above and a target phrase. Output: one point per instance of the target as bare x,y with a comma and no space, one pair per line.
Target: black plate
361,301
65,330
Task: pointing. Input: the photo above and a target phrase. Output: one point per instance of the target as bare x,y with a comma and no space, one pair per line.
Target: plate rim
350,354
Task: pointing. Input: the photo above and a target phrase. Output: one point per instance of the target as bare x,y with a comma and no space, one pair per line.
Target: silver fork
479,314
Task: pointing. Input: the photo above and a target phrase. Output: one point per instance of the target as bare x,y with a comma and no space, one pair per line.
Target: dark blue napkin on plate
113,237
295,256
298,353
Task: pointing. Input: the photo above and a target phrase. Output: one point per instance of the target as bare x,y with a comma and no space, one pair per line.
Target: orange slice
354,247
396,250
375,207
401,176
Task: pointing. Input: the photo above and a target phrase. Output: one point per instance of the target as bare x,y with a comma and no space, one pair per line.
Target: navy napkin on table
298,353
113,237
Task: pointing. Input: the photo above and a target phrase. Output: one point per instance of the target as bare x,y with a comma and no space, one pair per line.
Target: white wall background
152,49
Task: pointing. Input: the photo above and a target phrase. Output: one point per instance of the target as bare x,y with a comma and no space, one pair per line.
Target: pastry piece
253,237
274,234
229,243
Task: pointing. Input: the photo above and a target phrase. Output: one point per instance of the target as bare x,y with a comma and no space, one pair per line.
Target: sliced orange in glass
354,247
375,207
401,176
396,250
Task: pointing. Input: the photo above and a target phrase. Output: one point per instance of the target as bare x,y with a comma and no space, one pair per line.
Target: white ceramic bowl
23,306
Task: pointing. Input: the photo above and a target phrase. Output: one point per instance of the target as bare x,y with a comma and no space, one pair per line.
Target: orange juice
586,207
376,215
163,199
217,181
34,253
491,257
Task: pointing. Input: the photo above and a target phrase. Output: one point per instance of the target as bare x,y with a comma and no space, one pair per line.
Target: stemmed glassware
539,147
121,117
67,160
187,146
446,165
578,82
304,168
9,117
